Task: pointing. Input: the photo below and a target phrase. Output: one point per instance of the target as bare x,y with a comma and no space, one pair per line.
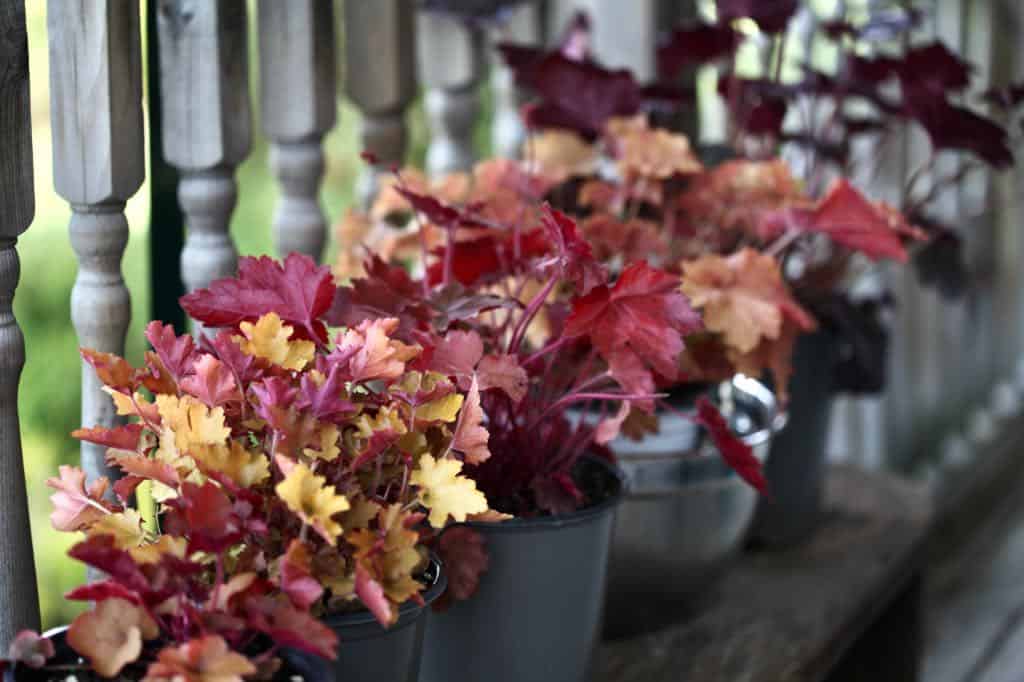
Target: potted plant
298,476
821,232
523,315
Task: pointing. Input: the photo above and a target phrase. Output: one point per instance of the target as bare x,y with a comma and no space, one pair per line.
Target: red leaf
464,554
296,578
112,370
384,291
698,44
933,69
470,438
735,452
851,220
105,589
436,211
953,127
146,468
575,257
297,290
206,516
579,95
372,595
122,437
288,626
213,382
245,368
176,353
125,486
101,552
771,16
642,315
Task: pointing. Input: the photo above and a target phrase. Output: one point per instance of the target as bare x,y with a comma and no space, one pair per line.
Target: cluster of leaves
295,474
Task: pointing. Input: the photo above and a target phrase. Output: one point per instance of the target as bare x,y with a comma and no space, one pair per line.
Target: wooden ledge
791,615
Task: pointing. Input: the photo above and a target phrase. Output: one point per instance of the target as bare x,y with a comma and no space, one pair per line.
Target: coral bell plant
297,473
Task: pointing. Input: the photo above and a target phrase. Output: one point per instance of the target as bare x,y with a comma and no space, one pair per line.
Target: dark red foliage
771,16
934,69
124,437
952,127
695,45
734,451
384,291
176,353
297,290
464,553
488,258
206,515
578,95
438,212
574,256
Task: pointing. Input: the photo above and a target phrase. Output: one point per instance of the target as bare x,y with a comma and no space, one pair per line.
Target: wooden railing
947,357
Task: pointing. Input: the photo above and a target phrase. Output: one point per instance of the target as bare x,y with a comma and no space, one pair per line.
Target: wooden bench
845,606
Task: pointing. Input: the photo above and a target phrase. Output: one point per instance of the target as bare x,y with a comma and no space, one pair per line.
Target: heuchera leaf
206,659
208,515
953,127
641,319
503,372
470,437
176,353
932,68
579,95
76,507
289,626
213,382
771,16
464,553
296,578
735,452
574,256
111,635
125,437
31,649
697,44
384,291
112,370
297,290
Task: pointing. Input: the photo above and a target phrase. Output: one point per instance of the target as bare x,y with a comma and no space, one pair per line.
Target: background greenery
49,395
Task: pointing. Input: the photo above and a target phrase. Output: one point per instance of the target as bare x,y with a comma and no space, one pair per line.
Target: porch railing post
380,79
299,105
451,61
522,27
19,601
207,121
98,164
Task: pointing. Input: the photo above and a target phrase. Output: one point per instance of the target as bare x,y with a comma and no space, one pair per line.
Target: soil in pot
536,614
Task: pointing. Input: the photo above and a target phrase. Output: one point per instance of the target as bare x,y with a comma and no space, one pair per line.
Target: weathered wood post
522,27
380,59
19,601
207,125
98,157
299,105
451,63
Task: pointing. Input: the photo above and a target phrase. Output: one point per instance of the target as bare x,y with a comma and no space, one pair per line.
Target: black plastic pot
369,652
796,464
536,615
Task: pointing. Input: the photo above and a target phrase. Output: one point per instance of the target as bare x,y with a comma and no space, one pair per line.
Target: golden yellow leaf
191,421
165,544
313,501
444,493
123,404
125,527
328,450
270,338
443,409
243,466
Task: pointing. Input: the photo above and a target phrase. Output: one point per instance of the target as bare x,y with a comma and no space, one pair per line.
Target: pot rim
407,612
555,521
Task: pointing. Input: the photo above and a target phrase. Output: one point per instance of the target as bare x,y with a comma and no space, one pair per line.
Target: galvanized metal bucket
536,615
686,513
796,463
366,650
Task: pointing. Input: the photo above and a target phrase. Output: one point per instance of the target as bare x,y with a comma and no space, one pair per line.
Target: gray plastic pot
796,463
686,514
369,652
536,615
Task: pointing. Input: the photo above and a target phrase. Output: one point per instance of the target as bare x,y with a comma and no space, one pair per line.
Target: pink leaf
213,382
470,437
371,594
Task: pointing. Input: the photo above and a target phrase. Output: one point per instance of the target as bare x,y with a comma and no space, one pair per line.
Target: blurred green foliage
49,394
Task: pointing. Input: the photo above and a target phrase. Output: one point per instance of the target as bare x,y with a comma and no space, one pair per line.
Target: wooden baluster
19,601
98,156
207,125
451,57
299,105
522,27
381,58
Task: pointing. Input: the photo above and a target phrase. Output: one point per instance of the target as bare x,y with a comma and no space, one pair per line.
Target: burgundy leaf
297,290
735,452
175,352
697,44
